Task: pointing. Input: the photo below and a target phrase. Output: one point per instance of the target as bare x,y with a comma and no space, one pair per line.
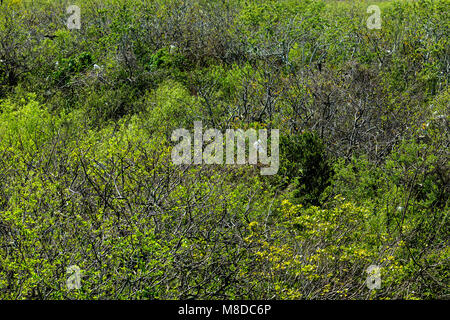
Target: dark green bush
71,66
304,166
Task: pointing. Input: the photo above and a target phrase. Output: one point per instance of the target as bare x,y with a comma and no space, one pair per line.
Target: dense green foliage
86,176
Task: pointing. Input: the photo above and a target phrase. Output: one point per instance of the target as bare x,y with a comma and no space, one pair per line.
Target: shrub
304,166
